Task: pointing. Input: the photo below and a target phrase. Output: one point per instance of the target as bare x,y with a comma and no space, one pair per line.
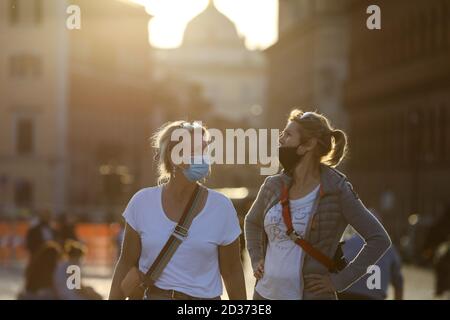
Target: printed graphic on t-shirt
276,228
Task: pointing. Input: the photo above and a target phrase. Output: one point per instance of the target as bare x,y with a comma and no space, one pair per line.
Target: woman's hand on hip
259,272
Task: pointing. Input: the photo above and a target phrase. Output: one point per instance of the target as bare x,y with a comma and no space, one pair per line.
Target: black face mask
289,158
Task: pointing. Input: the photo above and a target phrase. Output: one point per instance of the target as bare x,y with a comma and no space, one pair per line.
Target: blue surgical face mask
198,169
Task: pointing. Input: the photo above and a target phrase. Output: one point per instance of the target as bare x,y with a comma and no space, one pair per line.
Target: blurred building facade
33,105
213,55
398,101
308,65
110,98
74,104
389,88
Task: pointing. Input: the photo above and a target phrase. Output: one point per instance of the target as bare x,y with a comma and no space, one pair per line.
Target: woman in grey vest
320,203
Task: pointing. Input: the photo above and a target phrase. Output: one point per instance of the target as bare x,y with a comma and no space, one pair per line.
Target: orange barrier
12,242
100,239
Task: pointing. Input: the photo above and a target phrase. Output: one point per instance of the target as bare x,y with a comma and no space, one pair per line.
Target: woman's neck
178,186
306,173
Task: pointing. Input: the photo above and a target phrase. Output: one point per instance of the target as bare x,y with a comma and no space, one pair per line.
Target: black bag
339,259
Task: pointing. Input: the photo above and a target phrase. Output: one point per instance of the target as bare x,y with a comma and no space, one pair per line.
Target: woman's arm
254,227
377,241
231,270
129,257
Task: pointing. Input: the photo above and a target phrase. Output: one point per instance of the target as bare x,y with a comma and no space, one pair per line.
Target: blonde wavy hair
163,145
332,145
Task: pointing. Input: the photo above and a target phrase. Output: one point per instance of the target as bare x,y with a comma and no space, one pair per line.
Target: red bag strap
305,245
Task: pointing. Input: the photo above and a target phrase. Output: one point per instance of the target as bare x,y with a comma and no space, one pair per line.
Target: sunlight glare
170,18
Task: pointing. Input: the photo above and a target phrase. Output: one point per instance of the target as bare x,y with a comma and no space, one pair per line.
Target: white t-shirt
194,268
282,267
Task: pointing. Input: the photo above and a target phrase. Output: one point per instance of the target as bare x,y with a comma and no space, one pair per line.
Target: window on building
25,12
24,137
444,133
23,194
38,11
13,12
13,66
25,65
245,93
35,65
104,56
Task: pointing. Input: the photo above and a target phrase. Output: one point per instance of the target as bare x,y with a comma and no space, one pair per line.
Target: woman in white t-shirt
210,250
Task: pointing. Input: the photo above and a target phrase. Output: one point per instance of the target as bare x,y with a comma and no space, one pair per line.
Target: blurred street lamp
234,193
126,179
121,170
413,219
256,110
105,170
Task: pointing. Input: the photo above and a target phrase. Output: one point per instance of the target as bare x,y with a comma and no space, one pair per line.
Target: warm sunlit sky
256,20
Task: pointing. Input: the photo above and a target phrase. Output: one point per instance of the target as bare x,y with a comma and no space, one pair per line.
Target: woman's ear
309,145
301,150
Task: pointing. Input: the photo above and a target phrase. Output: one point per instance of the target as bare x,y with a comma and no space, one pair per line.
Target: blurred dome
211,28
